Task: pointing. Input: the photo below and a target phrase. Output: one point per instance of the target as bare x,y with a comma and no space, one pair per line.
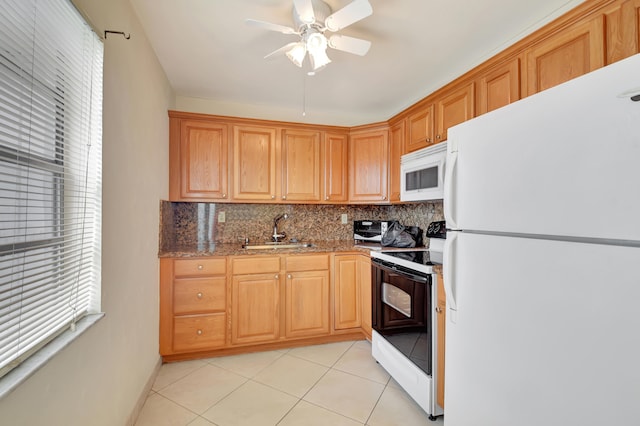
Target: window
50,174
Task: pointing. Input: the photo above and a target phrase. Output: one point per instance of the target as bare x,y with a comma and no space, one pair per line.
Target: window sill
26,369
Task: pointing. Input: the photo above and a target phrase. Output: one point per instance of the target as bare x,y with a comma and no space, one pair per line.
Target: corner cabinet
368,166
198,160
352,292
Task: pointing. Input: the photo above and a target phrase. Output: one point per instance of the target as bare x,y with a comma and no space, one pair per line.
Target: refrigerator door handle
447,273
449,192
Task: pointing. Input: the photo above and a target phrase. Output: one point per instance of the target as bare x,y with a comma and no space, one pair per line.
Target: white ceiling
214,61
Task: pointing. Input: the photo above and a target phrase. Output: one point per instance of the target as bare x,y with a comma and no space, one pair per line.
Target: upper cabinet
198,160
397,134
420,126
622,23
336,167
254,163
499,87
368,166
301,166
571,53
453,107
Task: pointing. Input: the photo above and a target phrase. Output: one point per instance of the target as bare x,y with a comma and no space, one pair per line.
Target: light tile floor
337,384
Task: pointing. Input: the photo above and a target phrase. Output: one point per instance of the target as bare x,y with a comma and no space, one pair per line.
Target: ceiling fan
312,19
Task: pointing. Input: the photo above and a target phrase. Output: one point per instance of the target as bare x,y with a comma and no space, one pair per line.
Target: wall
100,377
184,224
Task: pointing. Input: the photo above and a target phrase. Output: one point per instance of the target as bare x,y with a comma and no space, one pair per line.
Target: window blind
50,173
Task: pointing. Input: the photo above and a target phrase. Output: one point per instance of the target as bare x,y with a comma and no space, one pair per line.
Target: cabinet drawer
199,295
255,265
197,267
314,262
198,332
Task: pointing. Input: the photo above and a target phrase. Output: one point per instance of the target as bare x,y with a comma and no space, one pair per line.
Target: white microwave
422,173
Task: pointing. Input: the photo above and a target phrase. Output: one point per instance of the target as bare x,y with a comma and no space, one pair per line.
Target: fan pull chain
304,94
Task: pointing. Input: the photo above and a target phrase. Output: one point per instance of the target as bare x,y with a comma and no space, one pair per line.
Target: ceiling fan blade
357,46
351,13
304,9
282,50
271,27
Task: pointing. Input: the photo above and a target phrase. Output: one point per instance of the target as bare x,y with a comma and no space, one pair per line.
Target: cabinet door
255,308
254,163
368,166
454,108
336,167
622,25
307,304
499,87
203,160
570,54
420,129
301,165
364,279
396,144
347,298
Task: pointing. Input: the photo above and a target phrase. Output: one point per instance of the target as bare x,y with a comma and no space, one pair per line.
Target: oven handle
447,274
404,273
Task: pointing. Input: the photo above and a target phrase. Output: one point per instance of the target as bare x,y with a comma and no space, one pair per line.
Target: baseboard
144,394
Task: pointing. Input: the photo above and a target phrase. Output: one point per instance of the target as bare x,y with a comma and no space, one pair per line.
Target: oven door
401,310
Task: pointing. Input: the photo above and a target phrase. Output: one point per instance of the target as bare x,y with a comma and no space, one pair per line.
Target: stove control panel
437,229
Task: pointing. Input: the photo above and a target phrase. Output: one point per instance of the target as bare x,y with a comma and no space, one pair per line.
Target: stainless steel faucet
278,235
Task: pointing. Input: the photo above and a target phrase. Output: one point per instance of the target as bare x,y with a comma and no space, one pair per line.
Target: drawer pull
199,295
199,332
200,267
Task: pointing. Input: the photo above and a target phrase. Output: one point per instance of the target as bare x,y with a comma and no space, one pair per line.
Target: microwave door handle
449,189
448,276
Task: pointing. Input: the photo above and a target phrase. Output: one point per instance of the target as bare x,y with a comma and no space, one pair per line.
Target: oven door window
397,298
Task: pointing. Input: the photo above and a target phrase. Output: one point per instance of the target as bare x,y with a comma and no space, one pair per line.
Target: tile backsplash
192,223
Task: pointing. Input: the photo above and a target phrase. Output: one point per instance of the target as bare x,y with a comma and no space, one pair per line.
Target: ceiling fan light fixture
317,48
297,54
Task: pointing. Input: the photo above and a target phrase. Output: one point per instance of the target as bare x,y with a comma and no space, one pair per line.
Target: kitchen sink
274,245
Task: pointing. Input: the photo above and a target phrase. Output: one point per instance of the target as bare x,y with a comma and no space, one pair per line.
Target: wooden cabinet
254,163
569,54
368,166
454,107
193,302
499,86
255,299
307,295
301,167
441,309
336,167
364,279
420,126
622,26
347,297
396,148
198,161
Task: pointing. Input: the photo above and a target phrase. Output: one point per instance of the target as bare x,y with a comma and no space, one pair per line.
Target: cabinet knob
438,137
200,267
289,276
326,198
438,310
384,197
276,276
224,195
199,332
199,295
284,197
428,140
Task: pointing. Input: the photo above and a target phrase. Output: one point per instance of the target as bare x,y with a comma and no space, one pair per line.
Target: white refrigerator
542,263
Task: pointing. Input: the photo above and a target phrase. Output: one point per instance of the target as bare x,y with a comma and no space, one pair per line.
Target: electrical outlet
221,217
344,218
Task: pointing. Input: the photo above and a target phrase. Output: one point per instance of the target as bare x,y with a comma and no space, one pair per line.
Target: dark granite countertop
235,249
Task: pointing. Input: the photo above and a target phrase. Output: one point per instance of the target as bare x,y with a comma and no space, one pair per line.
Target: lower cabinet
261,299
193,302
